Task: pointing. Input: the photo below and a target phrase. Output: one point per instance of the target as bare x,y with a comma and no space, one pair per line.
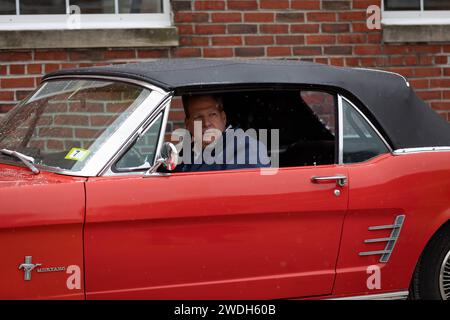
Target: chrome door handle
340,180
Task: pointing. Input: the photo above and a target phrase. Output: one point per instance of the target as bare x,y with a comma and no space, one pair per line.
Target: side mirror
168,157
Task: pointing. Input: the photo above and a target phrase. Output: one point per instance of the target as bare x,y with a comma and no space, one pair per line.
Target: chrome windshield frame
98,161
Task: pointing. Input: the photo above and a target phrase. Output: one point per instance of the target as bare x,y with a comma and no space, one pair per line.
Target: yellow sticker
77,154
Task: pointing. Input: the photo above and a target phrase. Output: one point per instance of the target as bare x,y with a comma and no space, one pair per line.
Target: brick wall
324,31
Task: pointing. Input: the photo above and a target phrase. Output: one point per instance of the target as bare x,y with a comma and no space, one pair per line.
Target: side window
361,142
304,122
142,154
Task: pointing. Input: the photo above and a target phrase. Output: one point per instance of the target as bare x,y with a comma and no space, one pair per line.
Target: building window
416,12
83,14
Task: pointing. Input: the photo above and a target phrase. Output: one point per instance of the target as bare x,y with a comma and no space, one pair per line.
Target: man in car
215,145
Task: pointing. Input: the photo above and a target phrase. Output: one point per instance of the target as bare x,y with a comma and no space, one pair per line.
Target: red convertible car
355,203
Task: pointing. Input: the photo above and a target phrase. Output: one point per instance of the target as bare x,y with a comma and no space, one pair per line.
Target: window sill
89,38
402,33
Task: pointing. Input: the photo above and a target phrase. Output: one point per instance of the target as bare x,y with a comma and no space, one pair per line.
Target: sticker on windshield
77,154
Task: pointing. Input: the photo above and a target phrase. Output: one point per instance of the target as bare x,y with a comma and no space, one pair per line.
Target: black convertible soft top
386,98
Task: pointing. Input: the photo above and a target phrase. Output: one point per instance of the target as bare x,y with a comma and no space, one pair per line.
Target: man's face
205,111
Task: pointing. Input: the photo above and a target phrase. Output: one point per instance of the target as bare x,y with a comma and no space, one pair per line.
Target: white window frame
419,17
88,21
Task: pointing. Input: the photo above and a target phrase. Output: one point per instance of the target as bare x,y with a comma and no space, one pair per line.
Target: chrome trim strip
400,152
99,77
400,295
390,241
370,124
341,131
377,240
384,71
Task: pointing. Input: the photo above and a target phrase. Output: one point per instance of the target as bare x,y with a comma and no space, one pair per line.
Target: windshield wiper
27,160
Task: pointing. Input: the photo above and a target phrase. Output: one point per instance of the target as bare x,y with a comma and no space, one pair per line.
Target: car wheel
432,275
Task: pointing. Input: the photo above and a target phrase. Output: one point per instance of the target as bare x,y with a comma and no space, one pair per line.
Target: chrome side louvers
390,242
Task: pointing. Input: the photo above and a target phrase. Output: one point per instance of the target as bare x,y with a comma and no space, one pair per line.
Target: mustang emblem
27,267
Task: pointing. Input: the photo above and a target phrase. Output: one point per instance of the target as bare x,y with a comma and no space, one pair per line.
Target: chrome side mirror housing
168,157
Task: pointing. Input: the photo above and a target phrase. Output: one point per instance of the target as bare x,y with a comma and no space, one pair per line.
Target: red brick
56,132
274,4
258,17
395,49
7,95
120,54
22,94
55,144
425,60
440,59
321,16
5,107
420,83
305,5
279,51
335,27
321,60
352,16
249,52
446,94
68,65
227,41
50,67
194,41
242,28
152,53
185,29
77,120
336,5
51,55
374,38
101,120
308,51
87,55
3,69
34,69
17,69
444,105
320,39
286,40
17,83
425,48
305,28
290,17
186,17
274,28
87,133
15,56
337,62
217,52
427,72
440,83
242,5
352,38
368,49
226,17
364,4
429,95
210,29
337,50
258,40
447,72
352,62
186,52
210,5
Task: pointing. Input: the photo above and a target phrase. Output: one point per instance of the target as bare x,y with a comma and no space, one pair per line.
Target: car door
236,234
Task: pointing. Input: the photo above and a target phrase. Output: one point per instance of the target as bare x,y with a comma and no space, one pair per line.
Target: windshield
65,122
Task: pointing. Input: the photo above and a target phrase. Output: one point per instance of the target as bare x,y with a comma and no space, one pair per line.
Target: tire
431,279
